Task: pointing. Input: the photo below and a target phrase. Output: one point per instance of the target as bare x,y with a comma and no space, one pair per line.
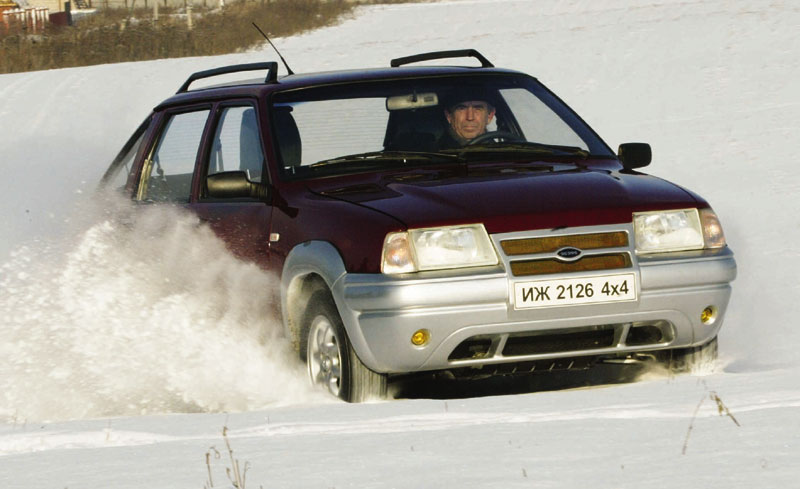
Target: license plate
574,291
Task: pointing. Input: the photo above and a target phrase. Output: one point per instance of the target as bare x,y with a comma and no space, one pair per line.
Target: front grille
535,344
546,266
537,255
550,244
472,348
558,342
645,333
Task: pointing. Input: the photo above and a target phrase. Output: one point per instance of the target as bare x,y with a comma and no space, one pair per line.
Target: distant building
51,5
58,5
7,5
55,5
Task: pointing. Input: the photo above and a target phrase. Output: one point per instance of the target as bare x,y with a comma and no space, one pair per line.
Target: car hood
508,198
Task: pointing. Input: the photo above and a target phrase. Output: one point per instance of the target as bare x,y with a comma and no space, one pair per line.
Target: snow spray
139,311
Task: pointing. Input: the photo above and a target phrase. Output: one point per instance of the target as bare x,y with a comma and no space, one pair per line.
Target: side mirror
235,185
634,155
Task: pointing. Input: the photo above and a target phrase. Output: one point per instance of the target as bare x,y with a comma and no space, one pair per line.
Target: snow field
711,85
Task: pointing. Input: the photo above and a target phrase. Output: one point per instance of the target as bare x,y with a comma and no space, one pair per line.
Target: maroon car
426,218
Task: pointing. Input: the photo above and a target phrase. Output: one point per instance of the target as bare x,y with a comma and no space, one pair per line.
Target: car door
234,143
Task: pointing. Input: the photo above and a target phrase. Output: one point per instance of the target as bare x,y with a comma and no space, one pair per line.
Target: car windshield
371,126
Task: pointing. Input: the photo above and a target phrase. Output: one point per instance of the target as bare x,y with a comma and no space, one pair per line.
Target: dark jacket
450,140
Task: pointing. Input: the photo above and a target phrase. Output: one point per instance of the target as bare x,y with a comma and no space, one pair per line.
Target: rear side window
167,175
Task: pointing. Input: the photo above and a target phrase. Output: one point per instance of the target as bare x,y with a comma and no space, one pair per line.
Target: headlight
667,231
437,248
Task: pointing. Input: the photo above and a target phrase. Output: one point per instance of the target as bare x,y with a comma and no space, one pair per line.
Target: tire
699,360
332,363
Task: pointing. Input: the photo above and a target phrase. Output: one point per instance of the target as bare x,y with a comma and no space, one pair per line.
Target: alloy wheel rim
324,358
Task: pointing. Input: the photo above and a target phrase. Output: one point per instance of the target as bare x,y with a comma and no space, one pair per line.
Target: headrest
289,144
251,157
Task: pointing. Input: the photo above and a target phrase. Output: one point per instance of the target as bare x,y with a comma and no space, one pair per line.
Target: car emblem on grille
569,253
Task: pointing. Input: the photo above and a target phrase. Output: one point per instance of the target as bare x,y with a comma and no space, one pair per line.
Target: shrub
118,35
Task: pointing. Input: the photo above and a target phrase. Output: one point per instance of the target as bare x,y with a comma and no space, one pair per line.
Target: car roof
372,74
256,87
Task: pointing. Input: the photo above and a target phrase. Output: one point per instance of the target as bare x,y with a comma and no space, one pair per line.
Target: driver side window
237,144
538,122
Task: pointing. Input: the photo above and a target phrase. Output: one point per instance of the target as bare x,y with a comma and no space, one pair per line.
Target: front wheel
332,362
698,360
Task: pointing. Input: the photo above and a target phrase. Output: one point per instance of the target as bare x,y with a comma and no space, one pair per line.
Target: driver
468,113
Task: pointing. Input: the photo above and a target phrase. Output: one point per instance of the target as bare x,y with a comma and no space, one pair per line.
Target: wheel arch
309,267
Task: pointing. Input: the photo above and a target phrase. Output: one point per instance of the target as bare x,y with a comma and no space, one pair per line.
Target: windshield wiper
387,155
524,147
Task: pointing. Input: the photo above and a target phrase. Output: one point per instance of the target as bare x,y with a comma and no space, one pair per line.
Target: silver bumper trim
381,312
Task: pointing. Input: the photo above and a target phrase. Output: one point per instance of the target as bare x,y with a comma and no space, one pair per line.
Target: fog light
708,315
421,337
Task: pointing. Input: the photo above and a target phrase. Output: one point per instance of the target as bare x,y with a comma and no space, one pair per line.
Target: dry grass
236,476
722,410
118,35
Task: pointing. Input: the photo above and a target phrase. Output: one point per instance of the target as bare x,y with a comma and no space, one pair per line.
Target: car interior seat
289,143
251,156
415,130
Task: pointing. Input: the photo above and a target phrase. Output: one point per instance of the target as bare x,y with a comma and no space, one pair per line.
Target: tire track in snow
59,439
448,421
17,85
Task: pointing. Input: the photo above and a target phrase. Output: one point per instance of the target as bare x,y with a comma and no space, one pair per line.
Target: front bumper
472,320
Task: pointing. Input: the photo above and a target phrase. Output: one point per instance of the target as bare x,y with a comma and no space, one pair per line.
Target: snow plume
139,313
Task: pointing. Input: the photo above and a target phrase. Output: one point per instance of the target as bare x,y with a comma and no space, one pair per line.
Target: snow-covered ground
122,353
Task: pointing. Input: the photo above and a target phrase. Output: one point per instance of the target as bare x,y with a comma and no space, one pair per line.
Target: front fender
308,267
317,259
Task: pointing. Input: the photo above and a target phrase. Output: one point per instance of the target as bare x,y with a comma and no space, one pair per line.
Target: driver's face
469,119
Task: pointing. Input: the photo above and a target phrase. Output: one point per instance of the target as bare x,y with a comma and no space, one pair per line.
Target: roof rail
272,76
459,53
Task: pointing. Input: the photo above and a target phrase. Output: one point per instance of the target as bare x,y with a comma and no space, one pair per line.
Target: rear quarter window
167,176
121,169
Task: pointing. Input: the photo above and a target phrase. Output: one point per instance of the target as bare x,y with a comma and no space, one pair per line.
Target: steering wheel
504,135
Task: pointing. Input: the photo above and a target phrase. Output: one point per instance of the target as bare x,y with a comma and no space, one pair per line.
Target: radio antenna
276,49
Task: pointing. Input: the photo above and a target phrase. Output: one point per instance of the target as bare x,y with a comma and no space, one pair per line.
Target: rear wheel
332,362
